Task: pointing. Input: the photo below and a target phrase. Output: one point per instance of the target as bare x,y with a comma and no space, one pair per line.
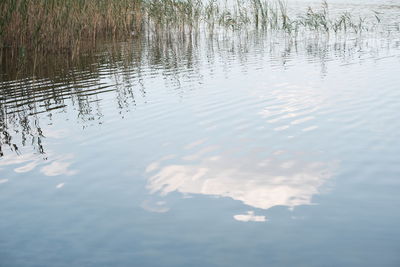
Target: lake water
236,150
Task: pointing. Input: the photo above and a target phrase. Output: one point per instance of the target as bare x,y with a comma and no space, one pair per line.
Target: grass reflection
45,85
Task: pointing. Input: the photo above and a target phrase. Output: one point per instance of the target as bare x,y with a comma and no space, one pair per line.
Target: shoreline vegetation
60,26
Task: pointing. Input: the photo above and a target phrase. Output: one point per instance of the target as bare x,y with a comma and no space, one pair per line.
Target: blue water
243,151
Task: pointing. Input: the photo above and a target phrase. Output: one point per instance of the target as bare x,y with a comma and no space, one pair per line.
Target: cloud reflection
278,180
249,217
58,165
154,206
57,168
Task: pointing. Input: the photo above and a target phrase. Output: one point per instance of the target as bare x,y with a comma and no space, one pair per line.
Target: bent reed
61,25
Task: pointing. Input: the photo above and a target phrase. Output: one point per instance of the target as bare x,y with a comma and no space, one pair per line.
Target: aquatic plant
61,25
55,25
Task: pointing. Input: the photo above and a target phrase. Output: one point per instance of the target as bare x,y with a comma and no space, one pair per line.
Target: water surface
236,150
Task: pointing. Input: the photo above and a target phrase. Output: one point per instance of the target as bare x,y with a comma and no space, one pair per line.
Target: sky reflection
249,217
280,179
55,165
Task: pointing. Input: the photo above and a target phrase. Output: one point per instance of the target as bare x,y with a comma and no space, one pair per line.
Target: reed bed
61,25
186,15
55,25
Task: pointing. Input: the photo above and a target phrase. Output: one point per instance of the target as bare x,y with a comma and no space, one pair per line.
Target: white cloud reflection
249,217
278,180
57,168
53,166
261,182
154,206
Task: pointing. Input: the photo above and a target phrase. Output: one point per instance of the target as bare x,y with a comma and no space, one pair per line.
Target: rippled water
243,150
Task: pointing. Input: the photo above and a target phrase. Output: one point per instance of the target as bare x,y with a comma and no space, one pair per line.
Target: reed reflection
43,86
